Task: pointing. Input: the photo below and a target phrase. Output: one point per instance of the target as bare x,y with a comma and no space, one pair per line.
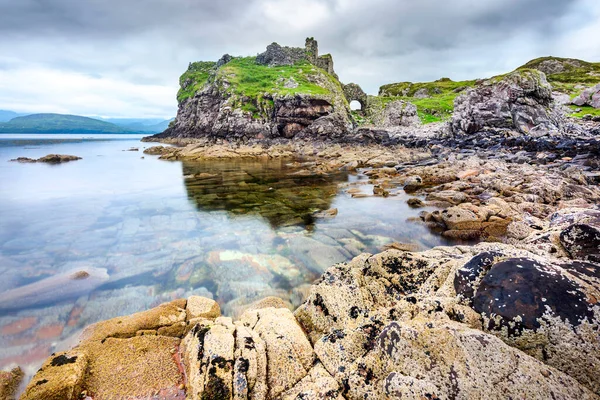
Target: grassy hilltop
435,100
252,86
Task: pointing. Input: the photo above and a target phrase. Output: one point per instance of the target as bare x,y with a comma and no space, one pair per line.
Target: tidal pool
150,231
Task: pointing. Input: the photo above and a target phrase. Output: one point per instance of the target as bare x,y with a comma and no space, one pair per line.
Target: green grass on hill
194,78
576,75
253,80
437,107
251,85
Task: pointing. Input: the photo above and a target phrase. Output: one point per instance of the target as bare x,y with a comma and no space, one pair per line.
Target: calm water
235,231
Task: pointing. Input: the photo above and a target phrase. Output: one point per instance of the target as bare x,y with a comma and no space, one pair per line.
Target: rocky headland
511,166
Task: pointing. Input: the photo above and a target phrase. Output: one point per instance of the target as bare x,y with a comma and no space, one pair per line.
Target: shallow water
236,231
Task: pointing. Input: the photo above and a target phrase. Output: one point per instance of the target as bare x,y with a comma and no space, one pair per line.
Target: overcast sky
123,58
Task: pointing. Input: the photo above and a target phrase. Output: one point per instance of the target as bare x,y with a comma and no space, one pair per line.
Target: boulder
60,378
582,241
289,353
49,159
547,309
208,358
521,100
136,367
201,307
395,113
413,183
165,315
589,97
459,363
458,218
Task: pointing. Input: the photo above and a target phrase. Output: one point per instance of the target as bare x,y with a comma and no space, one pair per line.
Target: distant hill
6,115
566,75
146,125
59,123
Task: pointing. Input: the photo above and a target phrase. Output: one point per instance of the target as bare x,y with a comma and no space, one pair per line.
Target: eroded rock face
216,103
519,101
210,114
397,113
354,92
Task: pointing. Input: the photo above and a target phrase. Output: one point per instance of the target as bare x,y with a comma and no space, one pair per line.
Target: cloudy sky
123,58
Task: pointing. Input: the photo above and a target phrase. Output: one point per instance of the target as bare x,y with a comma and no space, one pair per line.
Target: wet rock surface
451,322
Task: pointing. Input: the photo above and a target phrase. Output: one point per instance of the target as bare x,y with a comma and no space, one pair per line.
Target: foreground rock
489,321
49,159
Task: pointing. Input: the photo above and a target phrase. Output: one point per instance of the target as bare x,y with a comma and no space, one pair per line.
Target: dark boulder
519,292
582,241
469,276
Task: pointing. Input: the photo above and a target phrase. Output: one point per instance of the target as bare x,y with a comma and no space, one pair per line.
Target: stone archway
353,92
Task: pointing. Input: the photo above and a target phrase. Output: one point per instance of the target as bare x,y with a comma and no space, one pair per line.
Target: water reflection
236,231
270,189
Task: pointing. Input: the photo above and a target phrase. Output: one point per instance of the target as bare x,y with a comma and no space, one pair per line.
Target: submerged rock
68,285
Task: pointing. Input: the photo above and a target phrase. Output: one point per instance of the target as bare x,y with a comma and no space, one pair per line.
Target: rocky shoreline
399,324
486,321
512,312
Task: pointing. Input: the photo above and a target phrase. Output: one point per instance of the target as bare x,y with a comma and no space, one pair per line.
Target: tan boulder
165,315
289,353
317,385
201,307
459,218
208,358
60,378
137,367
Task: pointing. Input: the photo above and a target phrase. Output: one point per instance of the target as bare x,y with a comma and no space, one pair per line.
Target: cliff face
282,93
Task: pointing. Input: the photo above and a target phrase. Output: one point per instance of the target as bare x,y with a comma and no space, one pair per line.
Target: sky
123,58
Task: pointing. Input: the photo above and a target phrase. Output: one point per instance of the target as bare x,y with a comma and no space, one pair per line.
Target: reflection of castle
266,188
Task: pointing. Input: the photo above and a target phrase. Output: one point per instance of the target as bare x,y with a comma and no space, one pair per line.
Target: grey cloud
150,42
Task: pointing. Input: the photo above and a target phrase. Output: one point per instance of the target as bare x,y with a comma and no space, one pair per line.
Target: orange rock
19,326
467,173
50,331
